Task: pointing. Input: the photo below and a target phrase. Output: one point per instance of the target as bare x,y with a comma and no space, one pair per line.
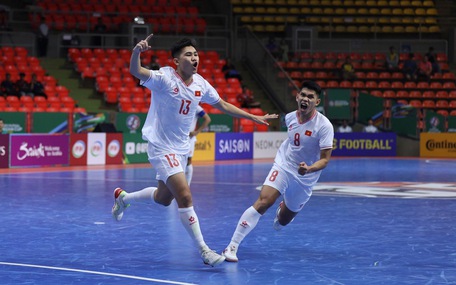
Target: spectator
424,69
344,128
22,86
8,87
230,70
43,38
36,87
392,59
370,128
154,65
433,60
347,70
99,28
4,16
246,99
2,126
272,47
410,67
284,50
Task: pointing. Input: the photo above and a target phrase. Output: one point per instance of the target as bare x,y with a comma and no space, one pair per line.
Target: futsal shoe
277,226
211,257
119,205
230,253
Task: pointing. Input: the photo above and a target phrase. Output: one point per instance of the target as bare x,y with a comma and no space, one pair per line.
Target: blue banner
364,144
233,146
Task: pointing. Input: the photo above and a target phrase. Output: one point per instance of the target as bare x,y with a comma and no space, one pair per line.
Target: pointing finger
149,37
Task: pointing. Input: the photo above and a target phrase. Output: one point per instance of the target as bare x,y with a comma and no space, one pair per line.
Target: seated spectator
154,65
424,69
36,87
284,49
344,128
230,70
392,59
8,87
22,86
433,60
347,70
409,68
370,128
246,99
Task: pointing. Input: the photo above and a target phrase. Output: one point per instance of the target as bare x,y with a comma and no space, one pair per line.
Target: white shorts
165,162
192,146
294,190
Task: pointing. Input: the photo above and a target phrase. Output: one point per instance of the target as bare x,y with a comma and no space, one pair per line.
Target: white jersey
173,108
304,143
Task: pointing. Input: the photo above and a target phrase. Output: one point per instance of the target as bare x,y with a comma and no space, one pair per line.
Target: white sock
246,224
189,173
191,223
145,195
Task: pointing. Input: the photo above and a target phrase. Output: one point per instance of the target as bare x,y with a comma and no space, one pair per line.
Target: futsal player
296,169
176,95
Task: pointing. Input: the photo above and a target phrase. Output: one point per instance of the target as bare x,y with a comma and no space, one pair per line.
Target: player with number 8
296,169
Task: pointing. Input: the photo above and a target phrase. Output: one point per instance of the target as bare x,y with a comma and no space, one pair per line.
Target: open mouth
195,65
303,106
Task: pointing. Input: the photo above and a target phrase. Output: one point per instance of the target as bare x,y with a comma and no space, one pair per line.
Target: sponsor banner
113,148
403,120
78,149
438,145
96,148
49,122
131,123
266,145
204,147
221,123
233,146
434,123
38,150
338,104
86,123
364,144
134,149
15,122
4,151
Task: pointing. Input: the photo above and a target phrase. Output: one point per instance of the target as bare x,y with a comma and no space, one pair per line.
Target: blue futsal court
370,221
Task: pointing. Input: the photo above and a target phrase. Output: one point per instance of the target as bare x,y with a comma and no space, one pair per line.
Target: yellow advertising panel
205,147
438,145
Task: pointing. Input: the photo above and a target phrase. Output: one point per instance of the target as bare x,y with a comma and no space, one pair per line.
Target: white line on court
96,273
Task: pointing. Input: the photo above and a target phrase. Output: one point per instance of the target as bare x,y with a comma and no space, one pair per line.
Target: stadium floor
370,221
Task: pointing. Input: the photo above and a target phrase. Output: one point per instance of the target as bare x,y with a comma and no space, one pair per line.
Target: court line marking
96,273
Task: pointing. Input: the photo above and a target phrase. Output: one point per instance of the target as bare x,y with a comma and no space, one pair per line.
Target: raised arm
135,61
234,111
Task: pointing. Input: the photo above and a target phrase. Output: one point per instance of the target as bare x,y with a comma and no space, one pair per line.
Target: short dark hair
179,45
312,86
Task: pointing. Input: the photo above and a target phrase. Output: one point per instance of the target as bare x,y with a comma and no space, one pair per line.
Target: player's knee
163,201
262,205
185,201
